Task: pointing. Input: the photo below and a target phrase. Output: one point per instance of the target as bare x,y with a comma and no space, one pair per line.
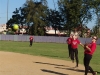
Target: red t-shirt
31,38
92,46
74,43
69,40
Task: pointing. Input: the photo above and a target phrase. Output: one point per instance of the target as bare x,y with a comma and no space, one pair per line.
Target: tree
55,19
77,12
36,16
33,13
96,28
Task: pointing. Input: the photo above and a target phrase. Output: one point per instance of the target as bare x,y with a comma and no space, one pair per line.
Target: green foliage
11,32
69,15
33,13
55,19
78,12
36,15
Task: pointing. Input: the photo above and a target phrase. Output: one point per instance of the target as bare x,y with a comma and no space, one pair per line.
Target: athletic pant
69,50
87,58
74,54
31,42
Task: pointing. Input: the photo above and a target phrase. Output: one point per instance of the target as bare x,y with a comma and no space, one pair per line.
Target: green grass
52,50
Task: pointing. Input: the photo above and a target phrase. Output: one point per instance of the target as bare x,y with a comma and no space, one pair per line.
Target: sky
13,4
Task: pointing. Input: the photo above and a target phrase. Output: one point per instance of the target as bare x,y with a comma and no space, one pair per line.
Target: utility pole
54,17
7,9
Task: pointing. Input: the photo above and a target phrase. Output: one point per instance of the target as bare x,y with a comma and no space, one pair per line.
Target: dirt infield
23,64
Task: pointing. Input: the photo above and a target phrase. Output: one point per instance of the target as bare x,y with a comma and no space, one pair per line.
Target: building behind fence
51,39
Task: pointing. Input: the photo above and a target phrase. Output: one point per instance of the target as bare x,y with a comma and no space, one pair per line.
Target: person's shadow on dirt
59,67
54,72
72,68
50,71
50,64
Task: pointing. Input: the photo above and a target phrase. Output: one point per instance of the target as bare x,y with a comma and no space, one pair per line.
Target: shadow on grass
50,64
98,72
49,71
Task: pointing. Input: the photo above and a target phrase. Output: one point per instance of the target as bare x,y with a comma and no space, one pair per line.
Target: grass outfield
52,50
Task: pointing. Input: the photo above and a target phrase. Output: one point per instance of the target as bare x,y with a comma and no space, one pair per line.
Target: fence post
15,37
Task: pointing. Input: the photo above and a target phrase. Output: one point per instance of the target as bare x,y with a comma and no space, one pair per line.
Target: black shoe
30,45
95,73
75,66
72,61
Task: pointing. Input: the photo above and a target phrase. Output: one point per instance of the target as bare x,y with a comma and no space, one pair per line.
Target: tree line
69,15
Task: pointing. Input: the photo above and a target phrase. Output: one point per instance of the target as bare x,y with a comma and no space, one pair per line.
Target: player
69,44
88,53
74,47
31,40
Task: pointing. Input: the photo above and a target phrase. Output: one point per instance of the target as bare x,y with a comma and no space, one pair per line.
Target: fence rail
51,39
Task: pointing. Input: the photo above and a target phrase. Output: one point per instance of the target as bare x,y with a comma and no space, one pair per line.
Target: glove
85,45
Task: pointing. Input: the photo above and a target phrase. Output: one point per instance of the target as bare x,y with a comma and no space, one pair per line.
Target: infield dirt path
23,64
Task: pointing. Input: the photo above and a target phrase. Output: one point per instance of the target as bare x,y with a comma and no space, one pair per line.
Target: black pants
87,58
31,42
74,54
69,50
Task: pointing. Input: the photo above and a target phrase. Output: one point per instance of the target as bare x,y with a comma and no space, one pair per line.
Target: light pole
54,17
7,9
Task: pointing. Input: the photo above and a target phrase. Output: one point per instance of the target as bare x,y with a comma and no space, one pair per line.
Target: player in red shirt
89,51
31,40
69,44
74,46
